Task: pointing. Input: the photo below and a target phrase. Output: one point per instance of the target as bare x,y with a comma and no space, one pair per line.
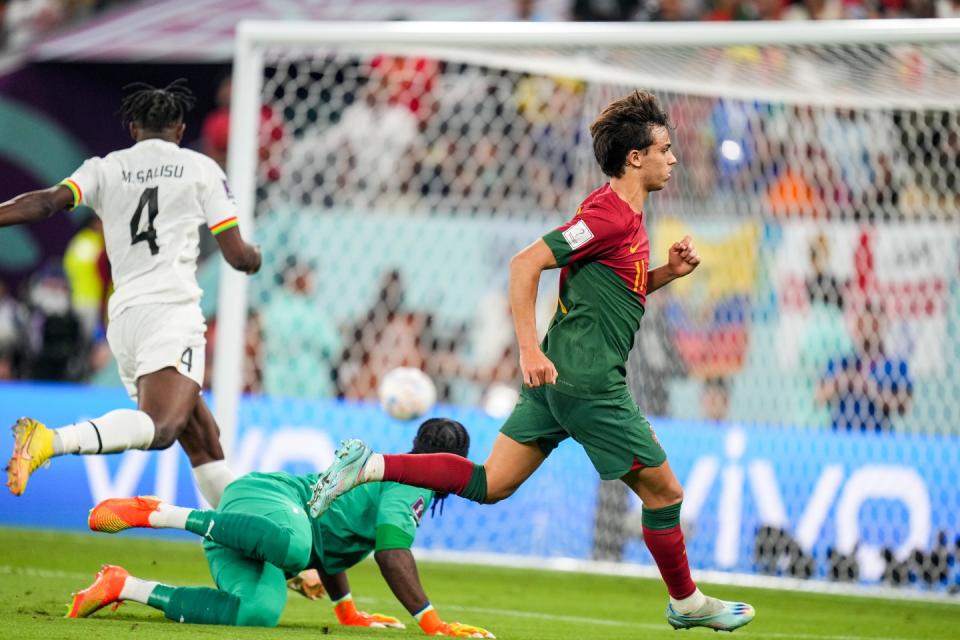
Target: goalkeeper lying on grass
261,534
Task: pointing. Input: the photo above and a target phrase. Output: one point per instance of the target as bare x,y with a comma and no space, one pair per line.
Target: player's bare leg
201,442
201,438
508,466
169,398
657,487
661,494
166,400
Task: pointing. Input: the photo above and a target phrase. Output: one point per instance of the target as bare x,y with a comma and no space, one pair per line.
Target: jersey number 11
148,199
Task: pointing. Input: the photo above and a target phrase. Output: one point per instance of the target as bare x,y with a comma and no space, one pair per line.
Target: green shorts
259,584
614,433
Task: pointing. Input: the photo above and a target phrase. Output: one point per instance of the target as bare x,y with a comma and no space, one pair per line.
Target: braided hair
156,109
441,435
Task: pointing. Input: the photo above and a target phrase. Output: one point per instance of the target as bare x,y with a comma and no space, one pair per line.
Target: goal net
804,380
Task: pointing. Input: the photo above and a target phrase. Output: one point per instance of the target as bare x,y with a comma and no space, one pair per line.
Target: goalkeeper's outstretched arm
399,569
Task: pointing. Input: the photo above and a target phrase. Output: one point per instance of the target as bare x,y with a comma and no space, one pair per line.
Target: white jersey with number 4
152,198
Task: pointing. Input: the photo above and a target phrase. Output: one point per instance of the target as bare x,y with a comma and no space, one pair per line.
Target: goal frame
253,37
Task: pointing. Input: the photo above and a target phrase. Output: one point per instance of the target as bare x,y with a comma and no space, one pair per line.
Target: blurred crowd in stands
720,10
416,134
22,21
54,329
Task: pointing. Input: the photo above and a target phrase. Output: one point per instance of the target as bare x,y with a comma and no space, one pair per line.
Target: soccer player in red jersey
575,380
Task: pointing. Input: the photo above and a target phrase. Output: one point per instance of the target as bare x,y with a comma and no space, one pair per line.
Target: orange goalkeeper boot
104,591
118,514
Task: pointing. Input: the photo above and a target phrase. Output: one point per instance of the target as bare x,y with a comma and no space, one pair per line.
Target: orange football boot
118,514
104,591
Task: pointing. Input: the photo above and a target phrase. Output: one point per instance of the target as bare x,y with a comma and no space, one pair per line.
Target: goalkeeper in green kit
261,534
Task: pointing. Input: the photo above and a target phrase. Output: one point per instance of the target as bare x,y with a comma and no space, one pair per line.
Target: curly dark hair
156,109
624,125
441,435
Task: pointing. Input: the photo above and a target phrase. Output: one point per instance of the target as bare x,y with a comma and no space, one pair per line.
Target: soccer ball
407,393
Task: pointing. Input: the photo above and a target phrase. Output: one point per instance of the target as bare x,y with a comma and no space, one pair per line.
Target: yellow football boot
32,447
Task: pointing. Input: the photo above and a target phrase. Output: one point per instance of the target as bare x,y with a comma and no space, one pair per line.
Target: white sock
169,516
373,469
689,604
137,590
212,478
119,430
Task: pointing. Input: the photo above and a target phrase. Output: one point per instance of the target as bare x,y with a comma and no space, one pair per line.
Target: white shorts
147,338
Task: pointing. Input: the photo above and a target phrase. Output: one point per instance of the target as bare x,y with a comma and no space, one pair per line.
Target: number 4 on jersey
148,199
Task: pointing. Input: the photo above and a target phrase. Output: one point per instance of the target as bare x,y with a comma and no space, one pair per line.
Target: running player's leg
166,401
144,340
508,466
662,495
169,398
621,444
527,437
201,442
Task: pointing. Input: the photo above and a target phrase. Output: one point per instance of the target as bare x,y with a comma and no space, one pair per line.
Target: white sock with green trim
169,516
137,590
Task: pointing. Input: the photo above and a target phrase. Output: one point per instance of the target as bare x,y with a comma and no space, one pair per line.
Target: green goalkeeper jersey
372,517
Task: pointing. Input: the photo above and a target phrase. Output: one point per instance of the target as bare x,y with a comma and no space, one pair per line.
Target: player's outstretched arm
399,569
239,254
525,270
35,205
682,259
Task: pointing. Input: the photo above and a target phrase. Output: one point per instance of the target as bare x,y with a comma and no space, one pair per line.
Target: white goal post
820,168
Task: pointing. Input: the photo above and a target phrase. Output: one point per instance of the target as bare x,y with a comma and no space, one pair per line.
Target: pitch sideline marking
36,572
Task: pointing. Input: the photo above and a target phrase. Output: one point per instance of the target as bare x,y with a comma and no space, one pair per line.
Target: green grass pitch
40,569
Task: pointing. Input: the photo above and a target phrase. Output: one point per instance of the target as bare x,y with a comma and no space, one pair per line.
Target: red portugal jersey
604,253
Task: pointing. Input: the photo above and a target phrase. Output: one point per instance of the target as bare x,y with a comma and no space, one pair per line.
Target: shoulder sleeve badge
578,234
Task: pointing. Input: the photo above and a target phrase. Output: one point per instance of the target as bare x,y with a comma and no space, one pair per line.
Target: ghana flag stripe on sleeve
75,190
220,227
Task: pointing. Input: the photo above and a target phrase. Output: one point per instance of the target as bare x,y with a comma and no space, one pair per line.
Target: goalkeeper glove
307,583
348,616
432,625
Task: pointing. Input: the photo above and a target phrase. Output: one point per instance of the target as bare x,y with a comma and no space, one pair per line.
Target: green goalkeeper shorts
261,585
614,433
